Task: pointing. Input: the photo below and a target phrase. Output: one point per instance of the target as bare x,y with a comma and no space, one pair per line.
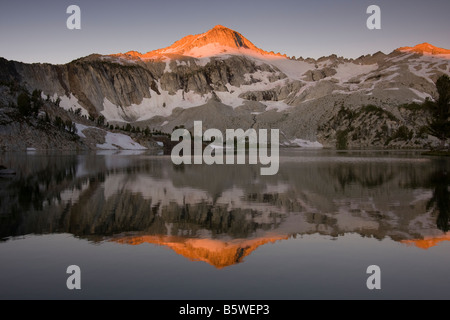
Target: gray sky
36,31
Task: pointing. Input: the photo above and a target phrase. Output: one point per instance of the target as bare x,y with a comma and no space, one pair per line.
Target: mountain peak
425,49
219,27
222,36
216,41
215,252
427,242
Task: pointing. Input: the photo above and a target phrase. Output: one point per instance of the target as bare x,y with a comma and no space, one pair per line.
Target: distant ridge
221,40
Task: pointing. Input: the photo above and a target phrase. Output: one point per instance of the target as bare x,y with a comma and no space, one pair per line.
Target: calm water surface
140,227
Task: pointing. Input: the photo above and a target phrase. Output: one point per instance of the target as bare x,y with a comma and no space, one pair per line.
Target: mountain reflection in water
220,214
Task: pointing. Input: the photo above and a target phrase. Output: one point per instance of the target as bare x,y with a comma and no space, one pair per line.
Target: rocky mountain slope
40,124
224,80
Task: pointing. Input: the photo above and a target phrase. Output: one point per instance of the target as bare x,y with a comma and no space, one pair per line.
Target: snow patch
260,76
420,94
80,128
167,68
276,105
425,70
114,141
348,70
220,51
231,98
70,102
401,57
161,104
203,61
305,144
294,69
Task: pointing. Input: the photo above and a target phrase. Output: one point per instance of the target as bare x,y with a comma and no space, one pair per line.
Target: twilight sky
35,31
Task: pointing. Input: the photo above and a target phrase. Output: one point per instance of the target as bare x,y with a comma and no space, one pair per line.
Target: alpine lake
140,227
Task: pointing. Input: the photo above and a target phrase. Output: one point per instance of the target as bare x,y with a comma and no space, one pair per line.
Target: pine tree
101,120
24,104
36,100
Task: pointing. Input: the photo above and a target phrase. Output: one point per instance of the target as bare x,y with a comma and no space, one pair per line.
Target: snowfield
305,144
161,104
113,141
71,102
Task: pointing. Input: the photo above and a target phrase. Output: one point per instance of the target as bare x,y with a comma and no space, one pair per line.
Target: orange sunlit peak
213,42
427,242
426,49
217,253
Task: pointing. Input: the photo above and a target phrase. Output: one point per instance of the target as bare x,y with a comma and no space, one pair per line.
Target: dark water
140,227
